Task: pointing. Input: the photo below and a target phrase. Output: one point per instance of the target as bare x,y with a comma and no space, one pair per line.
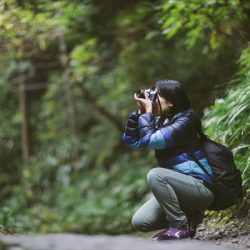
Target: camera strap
159,103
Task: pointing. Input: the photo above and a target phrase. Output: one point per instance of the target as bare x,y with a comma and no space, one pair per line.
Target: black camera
152,94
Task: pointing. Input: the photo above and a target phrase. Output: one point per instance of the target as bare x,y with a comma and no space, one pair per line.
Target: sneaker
174,233
194,221
155,235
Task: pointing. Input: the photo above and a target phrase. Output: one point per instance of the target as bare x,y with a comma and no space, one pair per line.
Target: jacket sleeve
148,136
131,134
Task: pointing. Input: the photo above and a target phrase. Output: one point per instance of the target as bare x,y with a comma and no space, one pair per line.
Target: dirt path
100,242
235,233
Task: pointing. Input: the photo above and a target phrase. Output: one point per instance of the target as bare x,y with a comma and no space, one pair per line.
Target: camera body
152,94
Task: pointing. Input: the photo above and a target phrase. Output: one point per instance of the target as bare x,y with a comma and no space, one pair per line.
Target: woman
169,126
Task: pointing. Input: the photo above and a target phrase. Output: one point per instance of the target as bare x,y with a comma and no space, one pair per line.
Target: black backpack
227,182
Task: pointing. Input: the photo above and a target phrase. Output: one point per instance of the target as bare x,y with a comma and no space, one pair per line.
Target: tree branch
93,102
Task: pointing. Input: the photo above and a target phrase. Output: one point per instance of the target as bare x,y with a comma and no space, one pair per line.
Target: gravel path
100,242
232,235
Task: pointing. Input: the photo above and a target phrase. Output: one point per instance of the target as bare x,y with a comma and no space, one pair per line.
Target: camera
152,94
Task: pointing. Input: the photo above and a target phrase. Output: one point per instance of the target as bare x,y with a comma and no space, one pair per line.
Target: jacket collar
185,113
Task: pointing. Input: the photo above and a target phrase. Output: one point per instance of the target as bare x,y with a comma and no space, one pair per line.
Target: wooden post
24,124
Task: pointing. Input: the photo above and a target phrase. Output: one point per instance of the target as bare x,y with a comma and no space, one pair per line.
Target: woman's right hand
144,104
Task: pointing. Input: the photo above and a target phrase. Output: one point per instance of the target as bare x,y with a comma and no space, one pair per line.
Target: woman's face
165,106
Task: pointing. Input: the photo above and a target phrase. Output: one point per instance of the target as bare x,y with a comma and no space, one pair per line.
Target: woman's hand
145,105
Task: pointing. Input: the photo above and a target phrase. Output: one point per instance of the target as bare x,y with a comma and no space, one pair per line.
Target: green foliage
30,25
212,20
228,120
55,198
84,59
87,59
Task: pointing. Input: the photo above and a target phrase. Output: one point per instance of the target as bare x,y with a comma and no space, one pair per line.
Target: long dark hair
175,93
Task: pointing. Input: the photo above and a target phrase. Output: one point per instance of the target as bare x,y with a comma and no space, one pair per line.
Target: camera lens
140,94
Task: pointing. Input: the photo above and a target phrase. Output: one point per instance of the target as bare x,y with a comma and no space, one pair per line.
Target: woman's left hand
145,103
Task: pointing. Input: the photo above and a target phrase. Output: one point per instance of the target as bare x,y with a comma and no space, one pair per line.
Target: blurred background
68,71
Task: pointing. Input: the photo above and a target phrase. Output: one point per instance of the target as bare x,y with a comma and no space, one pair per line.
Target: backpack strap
203,137
198,163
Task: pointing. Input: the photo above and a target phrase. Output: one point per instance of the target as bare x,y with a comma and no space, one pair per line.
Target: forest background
68,71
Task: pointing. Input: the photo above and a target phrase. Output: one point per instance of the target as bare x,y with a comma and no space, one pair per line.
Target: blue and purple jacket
170,140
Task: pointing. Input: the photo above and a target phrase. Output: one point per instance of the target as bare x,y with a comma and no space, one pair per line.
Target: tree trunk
25,127
69,96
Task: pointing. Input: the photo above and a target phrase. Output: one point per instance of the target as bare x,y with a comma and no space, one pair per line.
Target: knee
154,176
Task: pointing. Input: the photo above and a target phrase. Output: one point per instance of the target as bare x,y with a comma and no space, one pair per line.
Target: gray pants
174,196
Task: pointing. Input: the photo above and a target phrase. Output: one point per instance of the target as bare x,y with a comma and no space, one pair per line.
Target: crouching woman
166,123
